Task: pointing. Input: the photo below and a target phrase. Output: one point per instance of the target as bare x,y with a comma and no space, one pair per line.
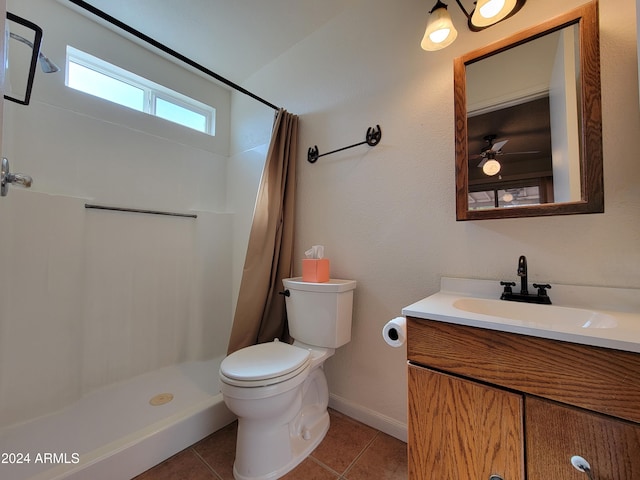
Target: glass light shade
440,31
488,12
491,167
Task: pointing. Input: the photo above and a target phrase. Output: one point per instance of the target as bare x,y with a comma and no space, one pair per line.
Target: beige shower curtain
260,312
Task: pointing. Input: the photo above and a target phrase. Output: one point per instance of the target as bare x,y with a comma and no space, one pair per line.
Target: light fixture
441,32
491,167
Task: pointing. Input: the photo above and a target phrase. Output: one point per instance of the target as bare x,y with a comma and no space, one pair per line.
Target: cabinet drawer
556,432
594,378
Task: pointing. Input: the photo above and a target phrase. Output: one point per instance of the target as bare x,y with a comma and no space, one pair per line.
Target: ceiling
234,38
527,129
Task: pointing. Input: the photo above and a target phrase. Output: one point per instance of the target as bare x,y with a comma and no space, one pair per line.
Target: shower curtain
260,312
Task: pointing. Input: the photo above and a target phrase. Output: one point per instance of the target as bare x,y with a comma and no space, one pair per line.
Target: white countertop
597,316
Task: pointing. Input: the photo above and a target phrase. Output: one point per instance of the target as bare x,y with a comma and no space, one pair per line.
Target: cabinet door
460,429
557,432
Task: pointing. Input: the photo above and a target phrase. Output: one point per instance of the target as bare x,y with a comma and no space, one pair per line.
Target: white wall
100,150
387,215
251,124
87,297
523,72
565,134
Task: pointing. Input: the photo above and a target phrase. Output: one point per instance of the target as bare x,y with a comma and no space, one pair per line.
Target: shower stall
113,323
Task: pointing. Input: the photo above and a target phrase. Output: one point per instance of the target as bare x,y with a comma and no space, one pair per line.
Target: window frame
152,91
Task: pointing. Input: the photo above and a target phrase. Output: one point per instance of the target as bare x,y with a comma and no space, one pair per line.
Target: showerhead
47,65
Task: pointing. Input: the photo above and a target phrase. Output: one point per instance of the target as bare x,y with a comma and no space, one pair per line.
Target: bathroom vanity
493,397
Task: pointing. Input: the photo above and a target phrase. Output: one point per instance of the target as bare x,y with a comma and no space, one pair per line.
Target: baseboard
385,424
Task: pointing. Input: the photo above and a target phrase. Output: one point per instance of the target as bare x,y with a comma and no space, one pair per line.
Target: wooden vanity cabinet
462,429
484,402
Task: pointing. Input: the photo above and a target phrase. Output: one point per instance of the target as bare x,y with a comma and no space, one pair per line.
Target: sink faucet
524,295
522,273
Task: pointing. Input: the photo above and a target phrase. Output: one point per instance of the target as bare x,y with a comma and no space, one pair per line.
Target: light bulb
492,8
489,12
491,167
439,36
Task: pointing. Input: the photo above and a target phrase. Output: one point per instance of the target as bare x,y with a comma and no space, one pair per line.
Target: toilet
279,391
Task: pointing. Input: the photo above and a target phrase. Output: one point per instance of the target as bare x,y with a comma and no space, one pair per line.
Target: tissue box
315,270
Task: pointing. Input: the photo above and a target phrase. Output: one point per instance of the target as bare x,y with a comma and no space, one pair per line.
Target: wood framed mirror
528,122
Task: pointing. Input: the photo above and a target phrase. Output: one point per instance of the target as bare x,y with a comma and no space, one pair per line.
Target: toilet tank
320,313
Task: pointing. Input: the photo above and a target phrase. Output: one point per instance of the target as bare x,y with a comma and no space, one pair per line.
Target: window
515,193
96,77
505,198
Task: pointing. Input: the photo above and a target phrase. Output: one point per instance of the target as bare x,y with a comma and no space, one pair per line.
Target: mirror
529,123
22,58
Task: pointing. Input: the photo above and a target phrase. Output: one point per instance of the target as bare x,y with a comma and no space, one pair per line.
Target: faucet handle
542,288
507,286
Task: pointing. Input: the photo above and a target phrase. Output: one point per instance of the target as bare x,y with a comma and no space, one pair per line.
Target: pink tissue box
315,270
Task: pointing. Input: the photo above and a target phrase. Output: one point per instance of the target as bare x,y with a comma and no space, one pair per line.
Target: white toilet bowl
279,393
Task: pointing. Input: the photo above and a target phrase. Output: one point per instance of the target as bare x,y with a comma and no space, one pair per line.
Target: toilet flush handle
286,293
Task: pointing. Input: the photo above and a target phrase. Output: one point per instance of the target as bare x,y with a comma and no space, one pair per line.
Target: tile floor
350,451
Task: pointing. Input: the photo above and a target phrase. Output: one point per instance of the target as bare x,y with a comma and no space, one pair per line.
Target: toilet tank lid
264,361
333,285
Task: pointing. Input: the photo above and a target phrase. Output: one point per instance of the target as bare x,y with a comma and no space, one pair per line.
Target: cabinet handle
582,465
496,477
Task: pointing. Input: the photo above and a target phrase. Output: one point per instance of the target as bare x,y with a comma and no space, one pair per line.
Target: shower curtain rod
136,33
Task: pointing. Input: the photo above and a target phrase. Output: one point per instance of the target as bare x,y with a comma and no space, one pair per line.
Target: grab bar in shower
138,210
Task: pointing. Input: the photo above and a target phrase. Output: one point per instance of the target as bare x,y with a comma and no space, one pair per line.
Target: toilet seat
264,364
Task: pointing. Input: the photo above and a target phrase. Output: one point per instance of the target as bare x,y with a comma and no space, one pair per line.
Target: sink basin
535,314
598,316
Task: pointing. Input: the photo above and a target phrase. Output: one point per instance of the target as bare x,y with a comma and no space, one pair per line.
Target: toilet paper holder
394,332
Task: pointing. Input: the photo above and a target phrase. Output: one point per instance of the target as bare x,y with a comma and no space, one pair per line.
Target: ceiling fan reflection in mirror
490,166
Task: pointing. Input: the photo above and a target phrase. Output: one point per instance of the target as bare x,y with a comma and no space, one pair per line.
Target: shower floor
115,432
